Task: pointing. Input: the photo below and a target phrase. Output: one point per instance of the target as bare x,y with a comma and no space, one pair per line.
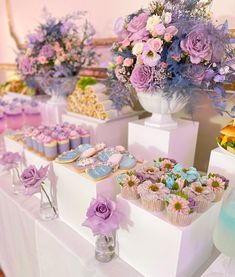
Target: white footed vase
161,108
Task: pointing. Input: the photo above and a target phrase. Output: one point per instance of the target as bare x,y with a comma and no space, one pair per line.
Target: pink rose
128,62
159,29
125,43
172,30
139,59
42,60
155,44
163,65
168,37
119,60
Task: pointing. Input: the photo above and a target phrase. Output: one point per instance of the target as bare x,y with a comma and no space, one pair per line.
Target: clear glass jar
105,247
48,203
17,186
224,233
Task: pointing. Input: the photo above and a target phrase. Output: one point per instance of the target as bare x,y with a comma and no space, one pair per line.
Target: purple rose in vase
102,217
10,160
32,178
142,78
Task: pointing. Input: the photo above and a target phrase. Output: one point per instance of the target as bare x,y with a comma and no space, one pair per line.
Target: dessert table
31,247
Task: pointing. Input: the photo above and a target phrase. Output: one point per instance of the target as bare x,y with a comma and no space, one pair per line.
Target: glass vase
105,247
48,204
224,233
17,186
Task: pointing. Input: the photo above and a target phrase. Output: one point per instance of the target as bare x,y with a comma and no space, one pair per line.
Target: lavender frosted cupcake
28,137
85,136
202,195
50,148
63,143
35,133
152,195
74,139
40,141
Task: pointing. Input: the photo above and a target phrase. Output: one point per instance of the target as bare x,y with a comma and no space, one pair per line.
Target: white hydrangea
152,22
167,17
138,48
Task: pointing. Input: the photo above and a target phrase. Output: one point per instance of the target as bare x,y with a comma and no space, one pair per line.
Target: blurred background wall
103,13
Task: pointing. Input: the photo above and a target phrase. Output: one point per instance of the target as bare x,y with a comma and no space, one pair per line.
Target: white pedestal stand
155,247
111,132
179,142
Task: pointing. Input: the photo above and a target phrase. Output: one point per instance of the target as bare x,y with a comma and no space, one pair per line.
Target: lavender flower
102,216
10,160
47,51
142,77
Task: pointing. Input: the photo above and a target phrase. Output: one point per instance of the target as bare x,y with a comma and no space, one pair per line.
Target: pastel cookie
83,164
99,172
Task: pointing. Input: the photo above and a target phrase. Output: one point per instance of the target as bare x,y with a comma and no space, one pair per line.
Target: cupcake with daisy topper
218,184
180,209
150,172
152,195
129,184
174,182
203,195
165,164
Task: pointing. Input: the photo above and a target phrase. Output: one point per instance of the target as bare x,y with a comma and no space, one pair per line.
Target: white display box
111,132
155,247
74,194
148,143
223,163
12,145
218,267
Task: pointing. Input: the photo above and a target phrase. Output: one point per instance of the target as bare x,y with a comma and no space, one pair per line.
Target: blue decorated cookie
128,161
82,164
104,155
99,172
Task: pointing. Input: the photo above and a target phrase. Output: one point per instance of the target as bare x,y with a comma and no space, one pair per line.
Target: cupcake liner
153,205
202,205
180,219
218,196
129,194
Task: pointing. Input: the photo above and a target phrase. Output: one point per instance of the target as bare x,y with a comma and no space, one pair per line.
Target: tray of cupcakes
164,186
52,141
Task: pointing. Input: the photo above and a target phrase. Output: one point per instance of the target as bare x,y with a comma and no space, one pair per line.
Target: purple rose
141,35
47,51
196,73
102,216
32,178
26,66
198,45
138,22
10,160
141,77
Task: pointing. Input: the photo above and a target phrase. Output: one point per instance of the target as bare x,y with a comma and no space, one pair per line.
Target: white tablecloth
30,247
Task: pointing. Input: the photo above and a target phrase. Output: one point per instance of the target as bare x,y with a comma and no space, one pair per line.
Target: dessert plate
225,150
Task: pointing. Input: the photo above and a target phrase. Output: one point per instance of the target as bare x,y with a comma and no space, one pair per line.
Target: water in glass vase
48,208
224,234
105,248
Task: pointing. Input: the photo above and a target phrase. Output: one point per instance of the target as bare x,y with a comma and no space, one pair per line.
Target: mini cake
40,141
129,184
202,195
74,139
152,195
180,211
50,148
63,143
14,117
85,136
218,184
2,122
35,133
32,115
28,137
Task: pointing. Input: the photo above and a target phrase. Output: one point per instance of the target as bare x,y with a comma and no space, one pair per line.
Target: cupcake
14,117
40,143
150,172
85,136
63,143
180,211
28,137
50,148
218,184
165,164
202,195
152,195
129,184
74,139
35,133
173,182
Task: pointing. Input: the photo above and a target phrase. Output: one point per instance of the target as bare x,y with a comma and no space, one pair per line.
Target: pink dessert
85,136
63,143
50,148
74,139
2,123
14,118
40,140
32,116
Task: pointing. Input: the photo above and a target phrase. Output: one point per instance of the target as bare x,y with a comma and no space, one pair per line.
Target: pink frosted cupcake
28,137
35,133
202,195
74,139
63,143
152,195
32,116
218,184
40,141
179,211
150,172
50,148
85,136
14,118
129,185
2,122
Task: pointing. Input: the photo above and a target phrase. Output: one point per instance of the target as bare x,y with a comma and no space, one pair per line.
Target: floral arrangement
57,47
184,191
173,47
103,217
10,160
